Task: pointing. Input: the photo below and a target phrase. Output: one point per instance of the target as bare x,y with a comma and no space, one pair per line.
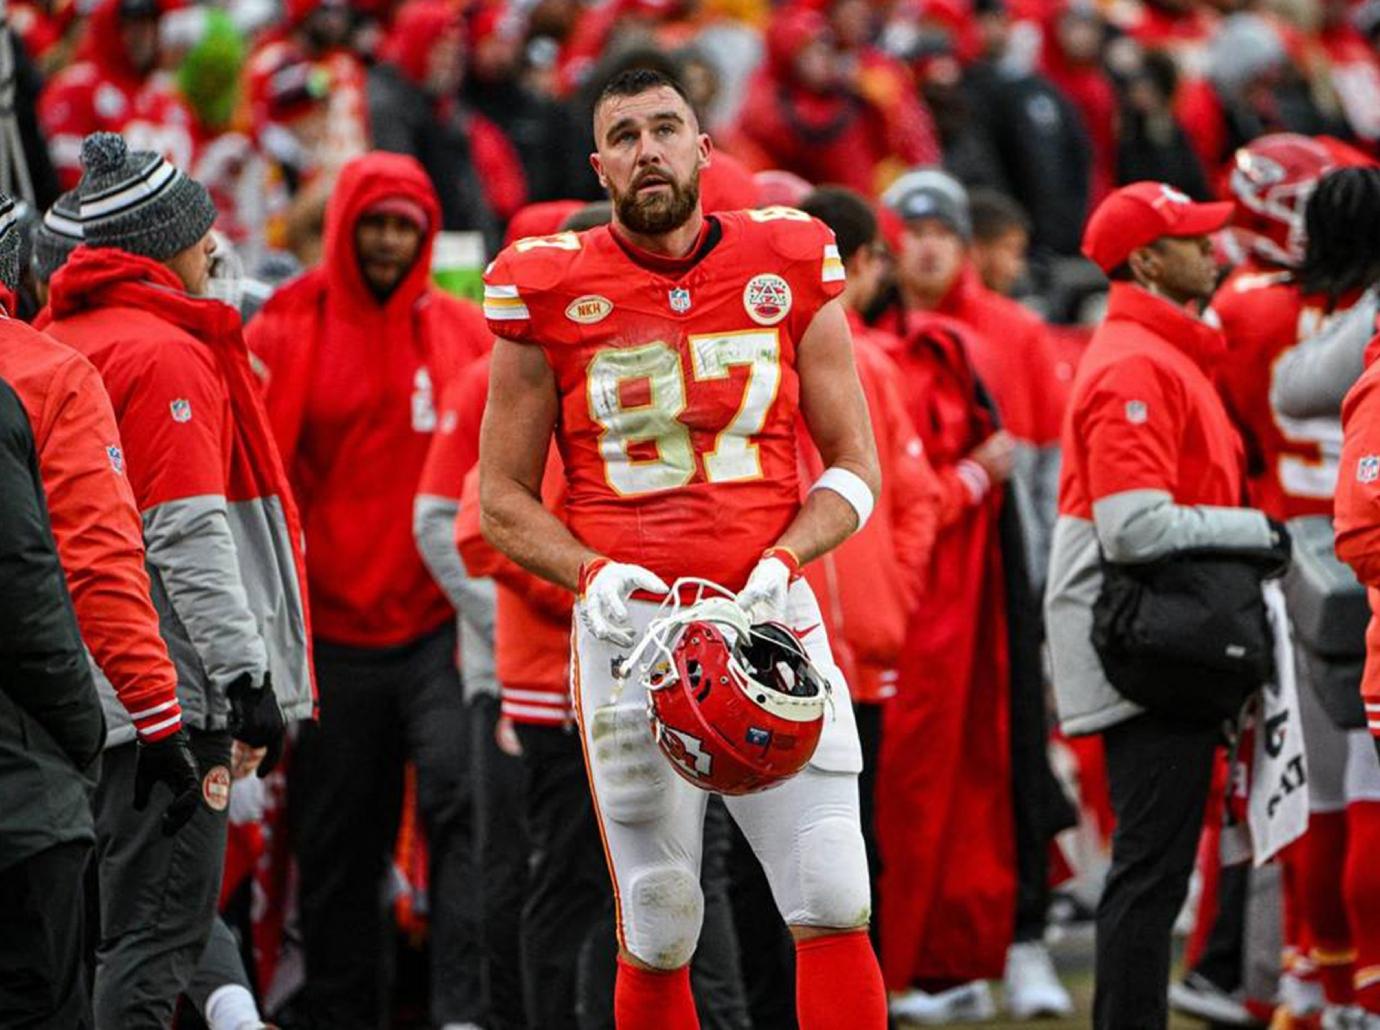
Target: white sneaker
966,1003
1033,989
1196,995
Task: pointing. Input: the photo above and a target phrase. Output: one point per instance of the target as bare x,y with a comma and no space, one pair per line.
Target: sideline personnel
1152,466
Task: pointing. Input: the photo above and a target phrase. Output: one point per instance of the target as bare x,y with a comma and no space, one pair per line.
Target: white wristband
851,488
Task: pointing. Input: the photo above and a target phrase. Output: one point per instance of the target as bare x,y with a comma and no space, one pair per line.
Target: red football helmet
1271,182
735,708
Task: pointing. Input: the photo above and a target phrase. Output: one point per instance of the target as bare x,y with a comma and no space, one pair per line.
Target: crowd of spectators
981,133
1047,102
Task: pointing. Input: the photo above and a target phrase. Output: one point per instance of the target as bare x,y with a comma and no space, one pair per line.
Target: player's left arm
831,399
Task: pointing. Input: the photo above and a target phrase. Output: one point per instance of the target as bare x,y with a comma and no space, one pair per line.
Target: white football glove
605,605
764,596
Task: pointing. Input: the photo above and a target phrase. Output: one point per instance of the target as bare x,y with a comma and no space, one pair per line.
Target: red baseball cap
1140,214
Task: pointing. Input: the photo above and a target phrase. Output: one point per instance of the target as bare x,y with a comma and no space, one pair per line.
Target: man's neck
674,244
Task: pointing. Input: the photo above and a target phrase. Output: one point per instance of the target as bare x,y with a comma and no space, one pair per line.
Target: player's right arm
518,421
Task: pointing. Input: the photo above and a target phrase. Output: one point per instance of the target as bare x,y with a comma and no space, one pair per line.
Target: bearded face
655,202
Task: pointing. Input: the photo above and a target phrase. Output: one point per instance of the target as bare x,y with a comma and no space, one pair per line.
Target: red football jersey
678,385
1292,463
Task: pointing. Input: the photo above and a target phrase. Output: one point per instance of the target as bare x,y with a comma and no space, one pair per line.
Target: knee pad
834,886
662,910
631,777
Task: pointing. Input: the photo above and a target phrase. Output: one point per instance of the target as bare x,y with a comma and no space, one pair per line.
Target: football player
1287,291
670,353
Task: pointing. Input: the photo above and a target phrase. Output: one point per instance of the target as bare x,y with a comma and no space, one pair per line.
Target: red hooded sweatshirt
351,383
103,92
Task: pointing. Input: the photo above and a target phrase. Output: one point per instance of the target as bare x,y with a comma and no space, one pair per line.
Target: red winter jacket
95,522
1152,466
351,384
220,528
868,586
1356,510
532,624
948,886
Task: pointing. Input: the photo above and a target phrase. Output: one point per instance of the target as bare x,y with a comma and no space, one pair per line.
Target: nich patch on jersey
1137,412
1368,469
181,410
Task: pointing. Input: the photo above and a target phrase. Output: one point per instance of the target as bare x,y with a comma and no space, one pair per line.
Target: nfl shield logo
1368,469
181,410
117,459
758,737
1137,412
680,300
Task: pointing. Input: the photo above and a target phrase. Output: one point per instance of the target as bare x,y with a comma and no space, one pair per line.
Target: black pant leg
568,888
503,849
437,733
344,797
157,894
42,911
716,973
869,719
1223,960
1159,773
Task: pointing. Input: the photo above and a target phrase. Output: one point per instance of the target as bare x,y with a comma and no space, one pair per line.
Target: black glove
1281,547
256,720
168,761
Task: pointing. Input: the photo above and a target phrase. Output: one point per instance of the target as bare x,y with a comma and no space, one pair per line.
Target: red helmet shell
1271,182
723,727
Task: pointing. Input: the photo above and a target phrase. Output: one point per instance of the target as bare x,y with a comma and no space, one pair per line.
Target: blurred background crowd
1050,103
1037,108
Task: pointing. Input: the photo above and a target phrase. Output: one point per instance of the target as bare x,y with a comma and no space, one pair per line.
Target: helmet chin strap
712,603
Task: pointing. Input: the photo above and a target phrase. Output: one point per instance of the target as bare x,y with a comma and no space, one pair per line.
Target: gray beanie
930,193
57,235
9,243
138,202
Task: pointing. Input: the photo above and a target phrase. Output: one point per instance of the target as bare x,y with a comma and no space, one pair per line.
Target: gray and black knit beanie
57,235
138,202
9,242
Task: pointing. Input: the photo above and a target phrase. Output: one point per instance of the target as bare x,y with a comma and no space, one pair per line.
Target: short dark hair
994,214
1343,224
846,212
639,78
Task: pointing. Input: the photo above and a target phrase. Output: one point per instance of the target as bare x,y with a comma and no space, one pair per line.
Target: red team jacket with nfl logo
677,381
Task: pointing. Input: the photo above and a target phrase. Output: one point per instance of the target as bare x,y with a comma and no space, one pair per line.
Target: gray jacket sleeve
1312,378
189,545
1143,525
433,528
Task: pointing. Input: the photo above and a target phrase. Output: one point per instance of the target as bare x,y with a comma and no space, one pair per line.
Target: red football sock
1362,891
647,1000
1323,858
838,984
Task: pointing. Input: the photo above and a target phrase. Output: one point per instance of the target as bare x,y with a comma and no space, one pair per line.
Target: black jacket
1042,149
51,726
405,120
